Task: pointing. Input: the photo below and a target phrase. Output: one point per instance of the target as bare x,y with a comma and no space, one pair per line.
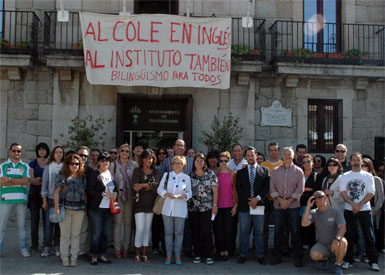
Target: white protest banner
157,50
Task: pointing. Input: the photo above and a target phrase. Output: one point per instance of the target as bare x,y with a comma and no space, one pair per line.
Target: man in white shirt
357,189
237,161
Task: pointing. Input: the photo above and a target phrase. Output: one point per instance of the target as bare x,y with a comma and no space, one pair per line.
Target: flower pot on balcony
365,56
319,55
254,52
335,55
289,54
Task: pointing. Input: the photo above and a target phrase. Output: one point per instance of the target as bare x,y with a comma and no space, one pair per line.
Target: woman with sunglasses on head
145,184
70,192
100,189
123,169
51,230
227,207
331,183
34,196
377,204
312,183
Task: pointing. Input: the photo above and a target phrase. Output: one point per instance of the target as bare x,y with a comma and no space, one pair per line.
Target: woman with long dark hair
331,183
51,230
145,182
70,192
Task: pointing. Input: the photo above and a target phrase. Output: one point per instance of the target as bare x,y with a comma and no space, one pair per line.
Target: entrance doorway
154,121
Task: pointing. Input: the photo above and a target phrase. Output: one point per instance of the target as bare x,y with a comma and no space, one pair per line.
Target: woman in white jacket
175,187
331,183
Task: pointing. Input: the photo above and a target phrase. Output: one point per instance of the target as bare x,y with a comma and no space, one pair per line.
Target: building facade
323,61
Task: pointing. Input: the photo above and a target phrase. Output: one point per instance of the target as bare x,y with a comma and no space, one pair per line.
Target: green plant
353,54
238,50
23,44
223,134
306,53
4,42
87,131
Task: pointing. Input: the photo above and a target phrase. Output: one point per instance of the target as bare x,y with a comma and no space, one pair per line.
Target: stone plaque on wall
276,115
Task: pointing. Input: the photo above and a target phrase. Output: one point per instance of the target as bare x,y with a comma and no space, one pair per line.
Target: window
324,125
156,6
321,29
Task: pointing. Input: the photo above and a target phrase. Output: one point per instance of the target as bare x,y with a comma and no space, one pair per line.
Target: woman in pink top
227,207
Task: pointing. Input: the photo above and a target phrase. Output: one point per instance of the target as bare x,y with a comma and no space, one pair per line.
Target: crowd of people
332,208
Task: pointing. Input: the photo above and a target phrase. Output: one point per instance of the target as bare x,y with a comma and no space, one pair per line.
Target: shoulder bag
158,204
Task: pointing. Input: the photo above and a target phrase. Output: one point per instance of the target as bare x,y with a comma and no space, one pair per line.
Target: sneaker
346,265
364,259
338,269
305,247
209,261
66,263
25,253
45,252
375,267
74,262
197,260
57,251
33,249
155,251
325,265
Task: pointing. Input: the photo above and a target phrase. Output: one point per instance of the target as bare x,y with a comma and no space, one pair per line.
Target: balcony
328,43
19,33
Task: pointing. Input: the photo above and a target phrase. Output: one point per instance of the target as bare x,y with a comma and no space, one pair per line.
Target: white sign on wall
276,115
157,50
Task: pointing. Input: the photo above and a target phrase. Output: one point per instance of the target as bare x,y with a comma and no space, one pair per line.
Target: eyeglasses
319,197
380,171
177,163
365,166
317,160
84,156
307,161
104,160
223,160
340,151
162,153
259,158
332,165
124,151
113,152
74,164
179,145
16,151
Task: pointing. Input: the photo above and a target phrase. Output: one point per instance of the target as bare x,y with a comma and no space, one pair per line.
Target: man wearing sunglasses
14,177
341,153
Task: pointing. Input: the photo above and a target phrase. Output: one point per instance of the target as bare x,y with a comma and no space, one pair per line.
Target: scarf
125,176
53,169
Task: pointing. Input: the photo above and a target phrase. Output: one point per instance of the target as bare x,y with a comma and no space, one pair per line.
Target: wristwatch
337,239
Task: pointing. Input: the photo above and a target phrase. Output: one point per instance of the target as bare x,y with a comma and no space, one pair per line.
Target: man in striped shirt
14,177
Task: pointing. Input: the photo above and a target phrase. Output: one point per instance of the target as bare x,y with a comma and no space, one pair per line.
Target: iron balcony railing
328,43
66,37
62,37
19,32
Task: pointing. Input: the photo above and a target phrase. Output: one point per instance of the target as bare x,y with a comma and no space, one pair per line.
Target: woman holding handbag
123,169
101,188
145,183
70,186
175,187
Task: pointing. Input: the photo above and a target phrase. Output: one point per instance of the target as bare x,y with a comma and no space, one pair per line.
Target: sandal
137,259
118,255
145,259
125,254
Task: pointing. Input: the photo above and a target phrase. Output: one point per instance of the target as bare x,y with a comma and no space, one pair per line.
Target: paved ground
13,263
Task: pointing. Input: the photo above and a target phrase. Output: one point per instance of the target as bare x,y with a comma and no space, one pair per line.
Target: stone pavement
13,263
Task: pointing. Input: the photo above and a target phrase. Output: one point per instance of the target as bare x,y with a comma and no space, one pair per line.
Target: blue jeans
20,211
51,230
366,222
173,226
281,217
245,221
100,222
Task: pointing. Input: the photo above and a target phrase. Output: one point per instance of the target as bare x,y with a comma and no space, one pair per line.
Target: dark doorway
154,122
157,6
